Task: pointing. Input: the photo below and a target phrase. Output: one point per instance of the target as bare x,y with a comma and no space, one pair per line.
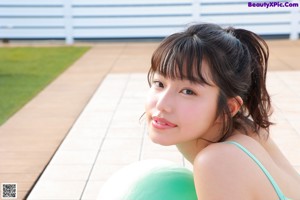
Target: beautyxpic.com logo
272,4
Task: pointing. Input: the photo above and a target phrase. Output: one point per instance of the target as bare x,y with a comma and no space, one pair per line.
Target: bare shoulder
212,154
220,159
219,173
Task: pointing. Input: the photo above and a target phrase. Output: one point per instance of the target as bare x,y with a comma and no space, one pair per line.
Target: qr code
9,191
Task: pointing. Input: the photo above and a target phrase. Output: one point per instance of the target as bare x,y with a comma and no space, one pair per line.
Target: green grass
25,71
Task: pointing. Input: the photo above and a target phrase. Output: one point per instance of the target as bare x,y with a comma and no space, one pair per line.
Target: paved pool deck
85,125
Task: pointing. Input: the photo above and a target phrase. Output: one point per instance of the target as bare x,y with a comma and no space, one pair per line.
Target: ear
234,104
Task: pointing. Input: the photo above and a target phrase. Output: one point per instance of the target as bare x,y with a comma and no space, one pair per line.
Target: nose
164,101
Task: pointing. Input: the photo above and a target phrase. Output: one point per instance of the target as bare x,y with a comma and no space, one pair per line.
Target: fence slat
143,10
85,19
132,22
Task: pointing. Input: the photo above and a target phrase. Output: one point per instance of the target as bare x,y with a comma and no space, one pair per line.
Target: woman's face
179,111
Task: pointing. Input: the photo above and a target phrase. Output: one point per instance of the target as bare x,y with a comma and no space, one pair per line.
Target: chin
159,140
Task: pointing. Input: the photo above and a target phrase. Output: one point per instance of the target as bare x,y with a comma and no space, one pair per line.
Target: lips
161,123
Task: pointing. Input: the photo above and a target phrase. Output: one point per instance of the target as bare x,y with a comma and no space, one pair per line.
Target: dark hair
237,60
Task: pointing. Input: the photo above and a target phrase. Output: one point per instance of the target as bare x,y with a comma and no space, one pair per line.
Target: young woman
208,97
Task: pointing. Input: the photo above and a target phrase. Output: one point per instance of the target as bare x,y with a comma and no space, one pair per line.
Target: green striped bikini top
265,171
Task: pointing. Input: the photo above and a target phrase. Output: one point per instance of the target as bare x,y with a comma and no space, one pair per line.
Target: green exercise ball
150,180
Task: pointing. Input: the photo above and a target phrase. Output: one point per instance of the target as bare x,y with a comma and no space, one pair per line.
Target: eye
157,84
188,92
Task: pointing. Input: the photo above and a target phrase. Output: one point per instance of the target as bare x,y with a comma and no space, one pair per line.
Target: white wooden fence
102,19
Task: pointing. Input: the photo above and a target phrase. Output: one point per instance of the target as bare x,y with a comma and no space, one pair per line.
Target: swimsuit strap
272,181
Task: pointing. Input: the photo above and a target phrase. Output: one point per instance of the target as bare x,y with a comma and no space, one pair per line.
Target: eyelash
159,84
191,92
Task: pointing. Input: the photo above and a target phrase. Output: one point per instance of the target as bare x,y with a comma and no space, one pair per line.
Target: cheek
191,115
150,102
203,113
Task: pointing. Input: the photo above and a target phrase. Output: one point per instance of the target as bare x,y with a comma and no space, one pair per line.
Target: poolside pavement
88,119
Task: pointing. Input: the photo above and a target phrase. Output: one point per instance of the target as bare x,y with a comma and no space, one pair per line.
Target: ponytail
257,100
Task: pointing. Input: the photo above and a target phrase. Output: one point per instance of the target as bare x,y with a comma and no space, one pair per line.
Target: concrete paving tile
92,190
136,132
57,190
282,94
283,131
138,93
289,76
295,124
112,87
100,121
288,140
297,168
285,138
132,111
66,173
124,124
81,143
103,104
138,77
118,151
128,108
118,157
133,97
148,145
292,152
277,116
151,150
126,144
96,133
289,110
292,116
113,90
133,115
291,81
74,157
89,125
282,128
103,171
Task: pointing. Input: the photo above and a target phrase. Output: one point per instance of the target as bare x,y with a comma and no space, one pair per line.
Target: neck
191,149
